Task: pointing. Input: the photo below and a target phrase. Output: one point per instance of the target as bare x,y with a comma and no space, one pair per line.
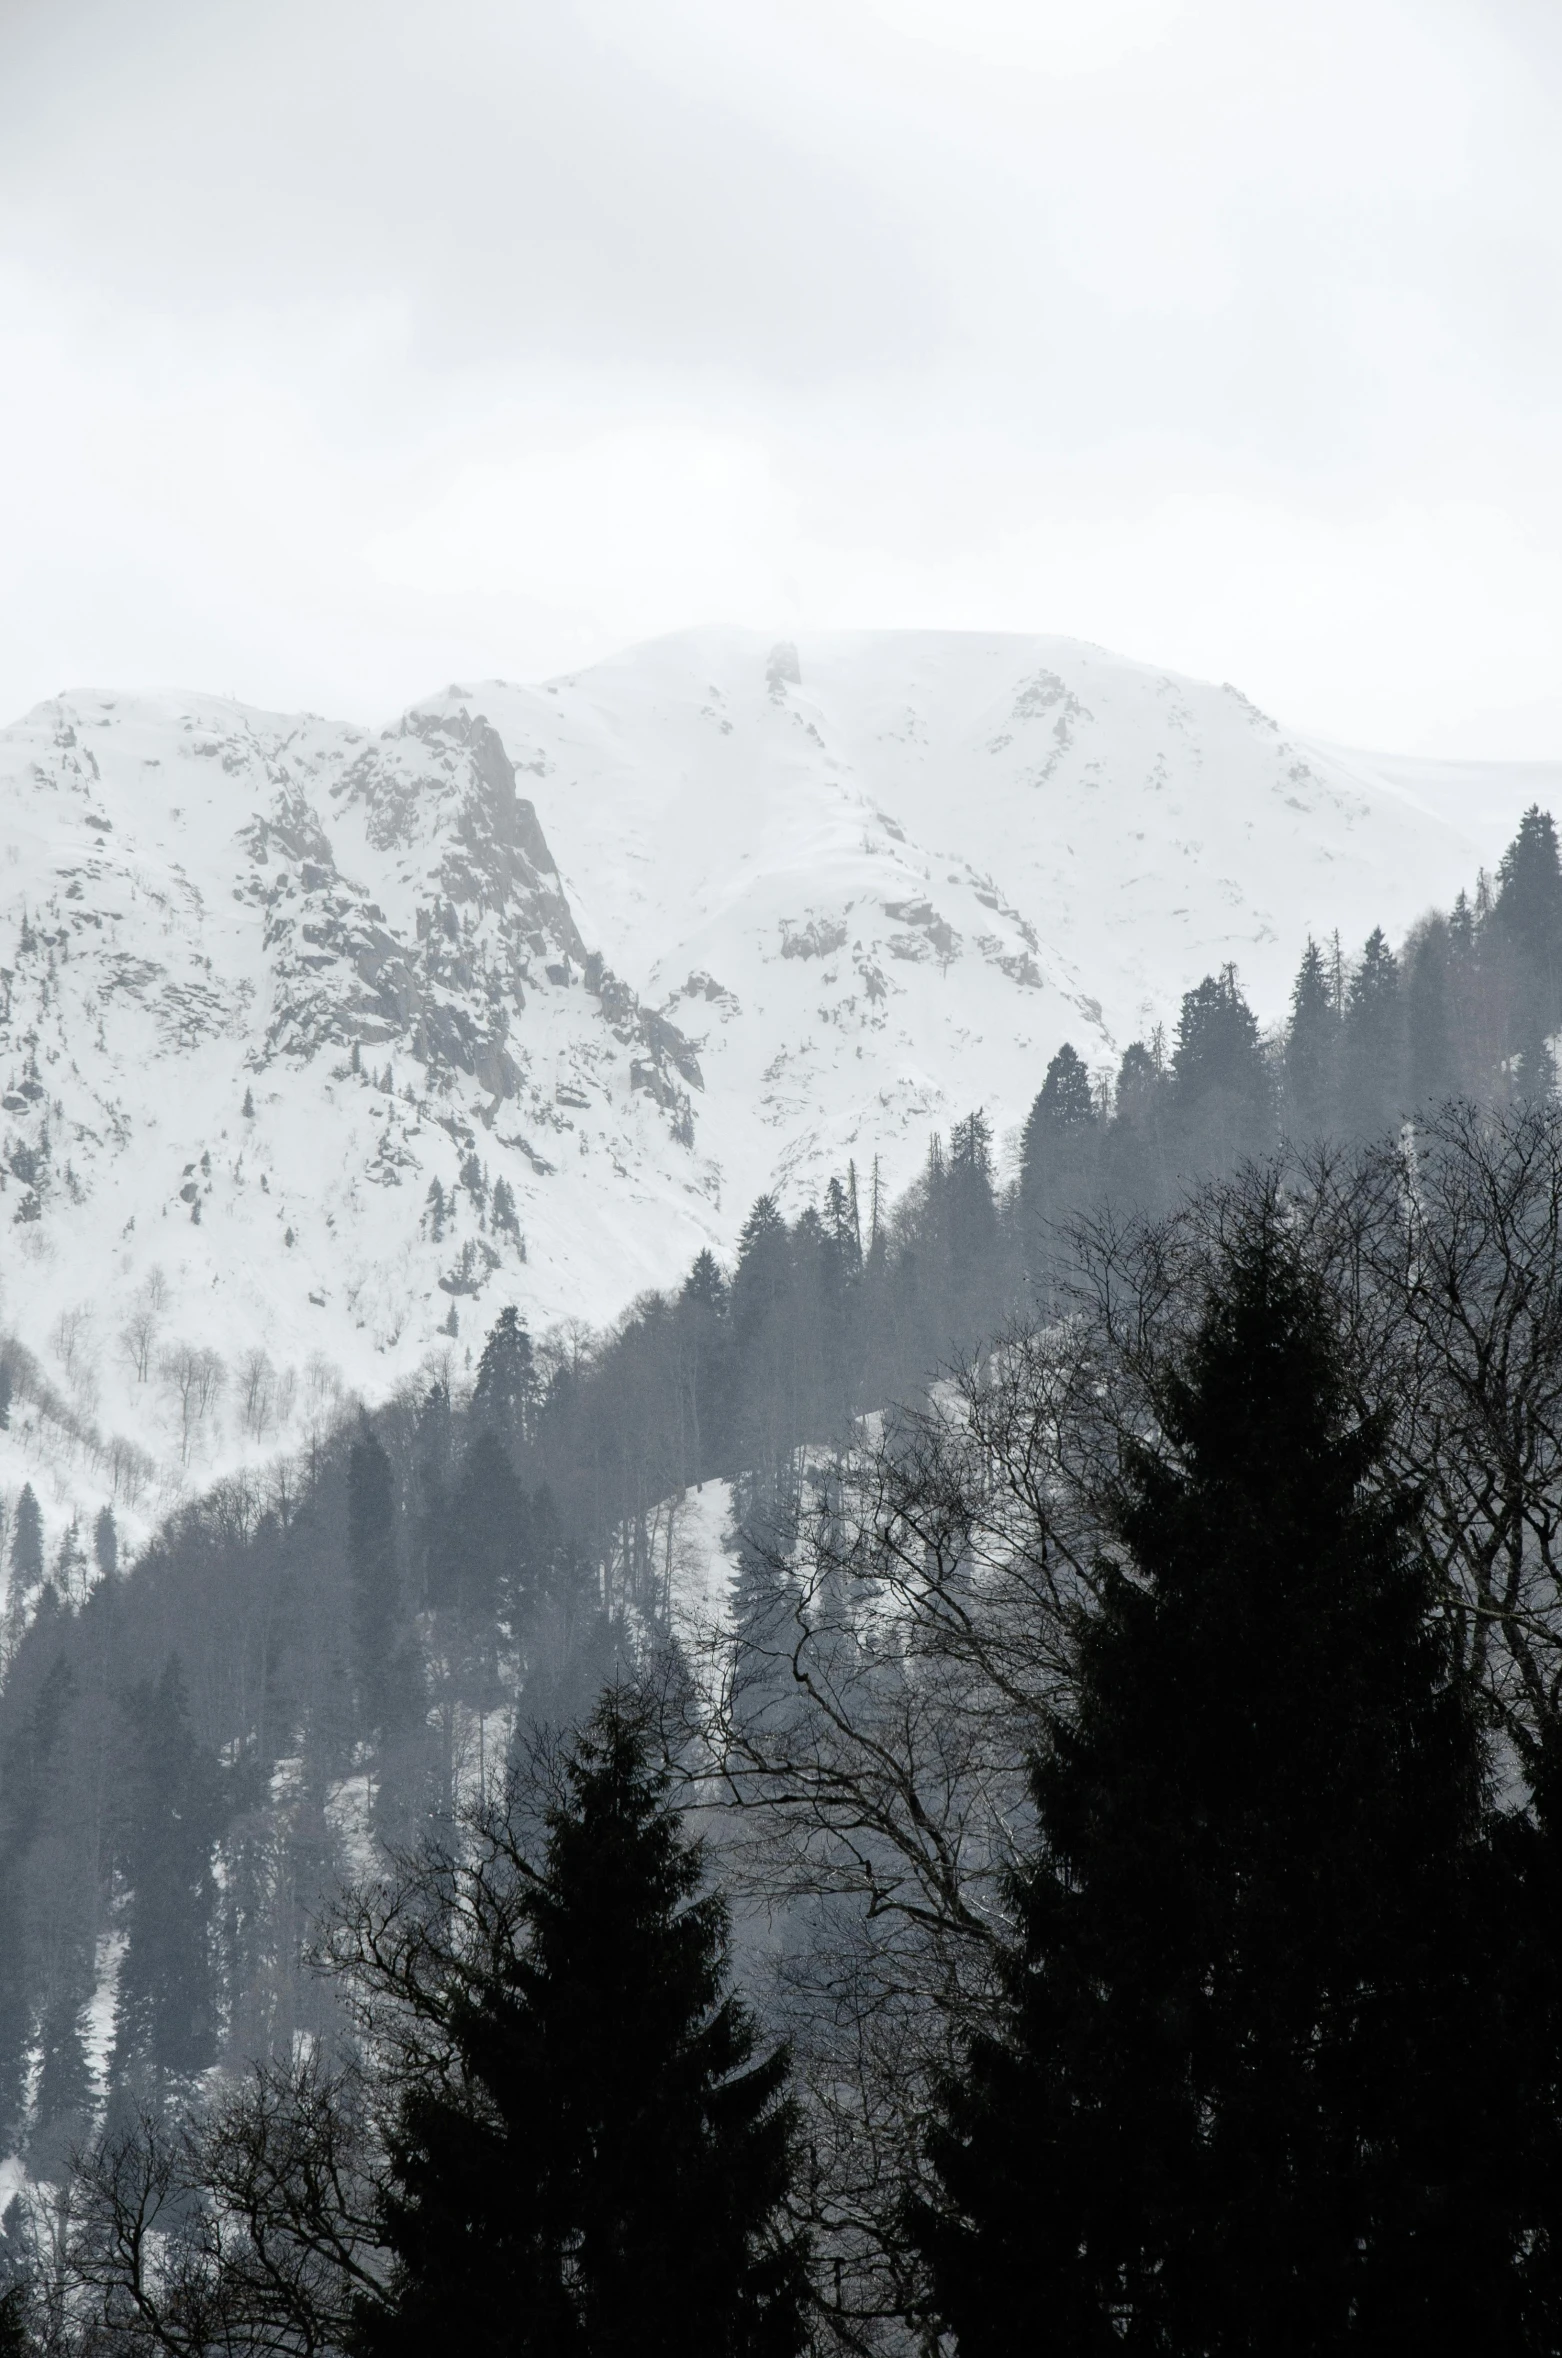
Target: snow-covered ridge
593,962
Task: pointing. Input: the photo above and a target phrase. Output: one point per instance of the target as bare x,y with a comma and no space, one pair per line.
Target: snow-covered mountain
317,1045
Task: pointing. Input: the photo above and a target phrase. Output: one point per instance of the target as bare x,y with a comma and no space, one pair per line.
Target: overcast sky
351,346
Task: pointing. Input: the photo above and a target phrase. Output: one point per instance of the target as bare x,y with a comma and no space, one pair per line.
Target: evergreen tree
1222,1083
29,1768
1373,1091
1312,1045
971,1214
479,1556
505,1393
5,1397
1240,2101
1432,1070
843,1229
105,1542
705,1342
705,1287
15,2340
1528,904
763,1276
374,1571
27,1542
1134,1161
504,1215
171,1812
1526,919
594,2162
1057,1158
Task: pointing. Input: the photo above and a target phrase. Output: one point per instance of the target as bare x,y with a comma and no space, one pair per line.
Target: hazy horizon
350,351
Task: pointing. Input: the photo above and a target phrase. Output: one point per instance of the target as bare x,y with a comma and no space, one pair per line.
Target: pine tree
970,1214
1528,903
505,1393
27,1542
1373,1046
479,1558
29,1768
763,1276
171,1806
705,1286
595,2164
1222,1083
1526,918
105,1542
1312,1046
706,1360
1432,1072
1056,1157
5,1397
436,1212
842,1230
504,1215
15,2339
1134,1158
1239,2101
375,1574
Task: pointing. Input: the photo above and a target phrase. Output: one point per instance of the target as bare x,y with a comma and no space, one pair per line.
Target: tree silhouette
1242,2099
588,2158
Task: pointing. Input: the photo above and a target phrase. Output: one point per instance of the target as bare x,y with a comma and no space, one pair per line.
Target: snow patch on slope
316,1045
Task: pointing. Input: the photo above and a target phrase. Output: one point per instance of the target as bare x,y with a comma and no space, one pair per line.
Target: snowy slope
880,878
808,903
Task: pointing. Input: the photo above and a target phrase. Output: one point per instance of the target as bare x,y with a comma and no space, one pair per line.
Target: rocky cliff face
316,1046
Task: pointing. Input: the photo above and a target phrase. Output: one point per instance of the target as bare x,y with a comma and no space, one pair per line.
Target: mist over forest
780,1179
773,1654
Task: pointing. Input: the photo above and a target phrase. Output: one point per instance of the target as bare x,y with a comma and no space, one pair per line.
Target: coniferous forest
1094,1884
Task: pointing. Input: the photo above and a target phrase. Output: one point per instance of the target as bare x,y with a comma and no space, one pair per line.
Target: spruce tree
1057,1159
1239,2101
375,1574
706,1339
479,1560
1134,1158
970,1213
1528,906
763,1276
705,1287
105,1542
30,1768
505,1392
27,1542
591,2160
1222,1091
1431,1068
171,1812
1373,1091
15,2340
1312,1046
1526,919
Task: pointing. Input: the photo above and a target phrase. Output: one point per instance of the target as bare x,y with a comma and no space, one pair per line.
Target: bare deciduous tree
137,1340
195,1379
246,2229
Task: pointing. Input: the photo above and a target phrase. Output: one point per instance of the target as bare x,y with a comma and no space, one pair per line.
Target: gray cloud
350,344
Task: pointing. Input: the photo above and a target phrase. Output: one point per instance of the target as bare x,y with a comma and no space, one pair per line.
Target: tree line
200,1751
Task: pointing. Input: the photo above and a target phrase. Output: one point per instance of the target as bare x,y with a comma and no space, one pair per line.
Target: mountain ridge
530,993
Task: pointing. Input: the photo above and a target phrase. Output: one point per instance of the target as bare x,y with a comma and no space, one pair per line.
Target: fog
350,349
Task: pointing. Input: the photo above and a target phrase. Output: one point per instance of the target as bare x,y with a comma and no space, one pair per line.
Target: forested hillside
319,1044
924,1412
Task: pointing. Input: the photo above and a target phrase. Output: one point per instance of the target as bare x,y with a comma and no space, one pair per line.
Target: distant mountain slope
809,903
914,862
